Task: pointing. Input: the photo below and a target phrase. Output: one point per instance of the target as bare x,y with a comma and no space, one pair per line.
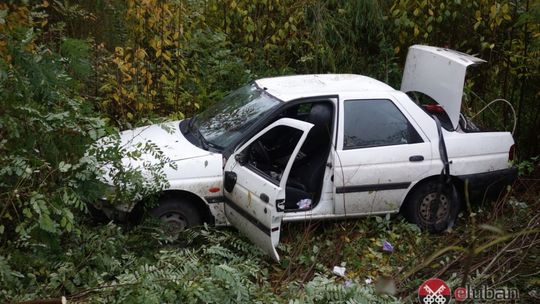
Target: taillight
511,153
434,108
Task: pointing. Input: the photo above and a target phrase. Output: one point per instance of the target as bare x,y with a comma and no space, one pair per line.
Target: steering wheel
261,150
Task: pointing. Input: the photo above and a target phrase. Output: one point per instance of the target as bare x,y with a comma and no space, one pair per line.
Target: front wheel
430,210
177,214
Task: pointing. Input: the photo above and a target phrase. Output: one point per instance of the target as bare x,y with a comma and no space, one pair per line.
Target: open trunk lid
440,74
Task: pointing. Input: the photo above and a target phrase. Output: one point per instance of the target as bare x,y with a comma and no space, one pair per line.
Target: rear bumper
489,185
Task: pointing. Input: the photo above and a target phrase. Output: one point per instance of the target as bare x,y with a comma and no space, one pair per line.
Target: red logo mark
434,291
460,294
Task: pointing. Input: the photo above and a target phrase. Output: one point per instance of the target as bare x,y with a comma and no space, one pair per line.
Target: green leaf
64,167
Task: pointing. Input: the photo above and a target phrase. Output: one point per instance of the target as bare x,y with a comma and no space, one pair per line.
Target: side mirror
230,181
241,158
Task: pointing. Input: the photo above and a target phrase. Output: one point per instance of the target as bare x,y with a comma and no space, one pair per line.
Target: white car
330,146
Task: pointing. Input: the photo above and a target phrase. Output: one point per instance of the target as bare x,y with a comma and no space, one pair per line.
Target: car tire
97,215
177,214
418,209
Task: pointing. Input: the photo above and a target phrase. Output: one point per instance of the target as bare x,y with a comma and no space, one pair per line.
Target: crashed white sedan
330,146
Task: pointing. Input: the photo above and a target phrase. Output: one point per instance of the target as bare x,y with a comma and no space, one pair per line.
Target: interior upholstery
307,174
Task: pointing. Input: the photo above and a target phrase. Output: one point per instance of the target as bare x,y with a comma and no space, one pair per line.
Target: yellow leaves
140,54
497,14
493,10
167,42
167,56
119,51
346,239
45,3
155,43
167,10
478,15
148,3
416,31
145,72
506,12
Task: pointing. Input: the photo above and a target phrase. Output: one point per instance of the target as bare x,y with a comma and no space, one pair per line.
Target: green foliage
48,168
44,129
133,172
71,68
322,289
112,265
527,167
75,54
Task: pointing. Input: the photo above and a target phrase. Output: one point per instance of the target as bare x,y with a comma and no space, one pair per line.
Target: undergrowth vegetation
74,71
124,264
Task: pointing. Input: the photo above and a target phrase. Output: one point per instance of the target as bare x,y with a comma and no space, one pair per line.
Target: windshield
226,121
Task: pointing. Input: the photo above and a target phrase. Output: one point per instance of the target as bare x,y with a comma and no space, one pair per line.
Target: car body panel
196,171
438,73
375,179
288,88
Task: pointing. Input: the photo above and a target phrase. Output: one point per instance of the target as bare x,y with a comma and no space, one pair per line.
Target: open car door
255,181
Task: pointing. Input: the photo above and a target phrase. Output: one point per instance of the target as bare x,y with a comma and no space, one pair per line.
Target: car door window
269,154
376,122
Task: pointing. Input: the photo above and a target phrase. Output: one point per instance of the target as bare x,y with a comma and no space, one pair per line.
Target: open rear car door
255,181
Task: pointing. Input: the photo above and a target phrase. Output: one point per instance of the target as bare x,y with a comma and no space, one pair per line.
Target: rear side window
374,123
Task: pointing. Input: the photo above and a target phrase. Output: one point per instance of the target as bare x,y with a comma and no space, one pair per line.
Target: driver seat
307,173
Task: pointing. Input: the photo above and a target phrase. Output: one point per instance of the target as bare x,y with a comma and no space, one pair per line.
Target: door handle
280,205
416,158
264,197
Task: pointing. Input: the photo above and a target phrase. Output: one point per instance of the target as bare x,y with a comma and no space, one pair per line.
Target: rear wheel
430,210
177,214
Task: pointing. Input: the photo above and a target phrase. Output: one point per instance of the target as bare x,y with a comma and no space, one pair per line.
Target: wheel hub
426,205
175,222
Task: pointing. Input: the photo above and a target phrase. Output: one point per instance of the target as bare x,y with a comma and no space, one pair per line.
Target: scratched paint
219,214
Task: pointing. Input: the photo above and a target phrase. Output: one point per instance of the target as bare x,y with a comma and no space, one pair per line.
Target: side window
376,122
270,153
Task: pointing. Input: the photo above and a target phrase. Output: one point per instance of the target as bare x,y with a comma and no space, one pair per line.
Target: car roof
288,88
